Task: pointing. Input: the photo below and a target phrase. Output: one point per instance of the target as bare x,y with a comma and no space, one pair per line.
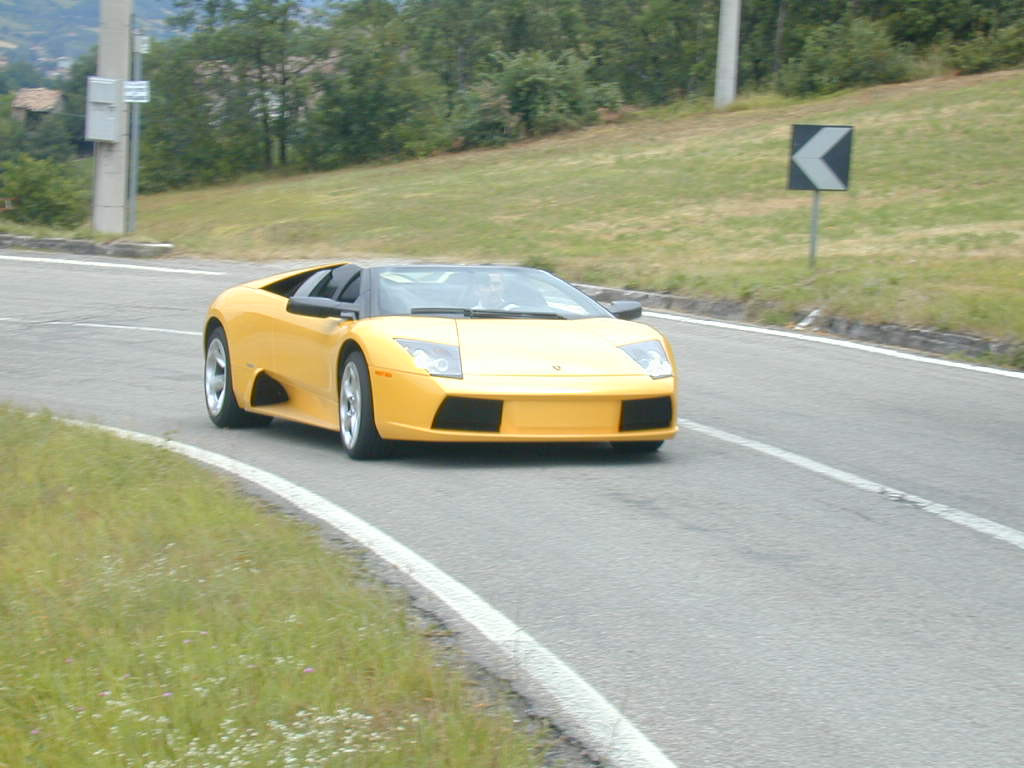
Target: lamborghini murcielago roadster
438,353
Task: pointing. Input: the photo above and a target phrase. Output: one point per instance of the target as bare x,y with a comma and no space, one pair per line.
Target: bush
45,192
531,94
854,52
482,118
51,139
1002,49
375,104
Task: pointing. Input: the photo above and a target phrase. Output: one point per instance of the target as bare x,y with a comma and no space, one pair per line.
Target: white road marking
146,328
598,724
952,514
110,265
976,523
835,343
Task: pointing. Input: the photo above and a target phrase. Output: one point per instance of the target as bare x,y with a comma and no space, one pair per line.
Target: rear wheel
359,433
221,404
638,446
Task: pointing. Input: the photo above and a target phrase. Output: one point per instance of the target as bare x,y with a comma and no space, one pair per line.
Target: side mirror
317,306
626,310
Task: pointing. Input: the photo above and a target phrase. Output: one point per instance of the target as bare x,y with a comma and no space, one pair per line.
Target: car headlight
651,356
435,359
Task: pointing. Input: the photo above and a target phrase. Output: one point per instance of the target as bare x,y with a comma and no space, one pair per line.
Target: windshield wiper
441,311
483,313
515,313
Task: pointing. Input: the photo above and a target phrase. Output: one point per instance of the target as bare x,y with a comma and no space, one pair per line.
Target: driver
490,292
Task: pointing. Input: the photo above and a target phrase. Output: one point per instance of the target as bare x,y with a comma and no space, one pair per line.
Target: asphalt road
739,609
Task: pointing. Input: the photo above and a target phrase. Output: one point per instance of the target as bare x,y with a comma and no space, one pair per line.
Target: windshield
516,292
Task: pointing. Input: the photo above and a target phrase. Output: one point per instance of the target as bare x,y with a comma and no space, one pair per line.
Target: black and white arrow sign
820,157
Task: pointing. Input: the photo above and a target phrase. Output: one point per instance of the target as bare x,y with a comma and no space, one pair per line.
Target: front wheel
637,446
359,433
221,404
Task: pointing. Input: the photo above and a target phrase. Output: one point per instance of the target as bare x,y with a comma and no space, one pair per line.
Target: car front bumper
411,406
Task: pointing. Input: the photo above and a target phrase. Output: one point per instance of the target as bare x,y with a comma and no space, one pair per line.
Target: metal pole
815,213
136,117
728,53
110,180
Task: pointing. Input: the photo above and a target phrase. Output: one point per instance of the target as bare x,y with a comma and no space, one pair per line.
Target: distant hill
45,30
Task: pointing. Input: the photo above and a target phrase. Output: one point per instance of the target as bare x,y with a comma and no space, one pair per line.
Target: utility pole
728,53
110,184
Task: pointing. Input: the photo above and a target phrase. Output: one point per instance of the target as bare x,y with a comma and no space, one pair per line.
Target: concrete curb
86,247
889,334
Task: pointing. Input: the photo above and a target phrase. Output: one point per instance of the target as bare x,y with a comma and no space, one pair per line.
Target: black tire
221,404
639,446
356,425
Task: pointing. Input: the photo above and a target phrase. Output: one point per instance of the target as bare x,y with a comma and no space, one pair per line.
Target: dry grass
684,199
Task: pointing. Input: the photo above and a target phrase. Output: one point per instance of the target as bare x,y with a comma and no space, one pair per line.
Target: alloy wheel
350,404
216,376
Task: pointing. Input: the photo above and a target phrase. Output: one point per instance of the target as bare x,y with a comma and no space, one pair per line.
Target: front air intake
469,414
649,413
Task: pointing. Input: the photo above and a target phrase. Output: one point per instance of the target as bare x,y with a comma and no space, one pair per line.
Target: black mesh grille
267,391
469,414
649,413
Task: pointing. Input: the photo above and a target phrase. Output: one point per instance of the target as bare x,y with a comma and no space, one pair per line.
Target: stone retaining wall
85,247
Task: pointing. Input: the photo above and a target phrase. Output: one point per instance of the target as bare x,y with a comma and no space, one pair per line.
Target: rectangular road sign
819,157
136,91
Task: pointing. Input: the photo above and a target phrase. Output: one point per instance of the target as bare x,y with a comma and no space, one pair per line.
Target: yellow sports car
437,353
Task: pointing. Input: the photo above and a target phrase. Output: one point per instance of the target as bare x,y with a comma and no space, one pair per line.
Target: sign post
136,92
819,159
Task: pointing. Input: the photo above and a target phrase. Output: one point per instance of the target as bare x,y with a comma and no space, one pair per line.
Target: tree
73,86
20,74
12,132
923,22
191,133
373,101
851,52
254,54
531,94
50,139
452,38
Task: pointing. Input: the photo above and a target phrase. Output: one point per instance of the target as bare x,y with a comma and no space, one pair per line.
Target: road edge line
591,718
885,351
976,523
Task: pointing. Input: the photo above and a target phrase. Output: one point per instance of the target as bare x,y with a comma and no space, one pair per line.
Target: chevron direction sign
819,157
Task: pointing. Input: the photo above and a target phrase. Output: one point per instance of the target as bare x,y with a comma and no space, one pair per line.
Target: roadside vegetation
498,131
685,200
253,86
153,616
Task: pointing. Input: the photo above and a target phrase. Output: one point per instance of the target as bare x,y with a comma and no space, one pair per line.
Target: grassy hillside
692,202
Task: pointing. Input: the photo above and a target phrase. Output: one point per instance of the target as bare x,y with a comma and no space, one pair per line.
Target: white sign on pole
136,91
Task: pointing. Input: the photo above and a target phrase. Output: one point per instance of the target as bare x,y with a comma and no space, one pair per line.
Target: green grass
153,616
684,199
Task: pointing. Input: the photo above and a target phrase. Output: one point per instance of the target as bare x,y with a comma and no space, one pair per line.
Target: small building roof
37,99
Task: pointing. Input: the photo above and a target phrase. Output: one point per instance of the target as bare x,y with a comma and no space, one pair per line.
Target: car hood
549,347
